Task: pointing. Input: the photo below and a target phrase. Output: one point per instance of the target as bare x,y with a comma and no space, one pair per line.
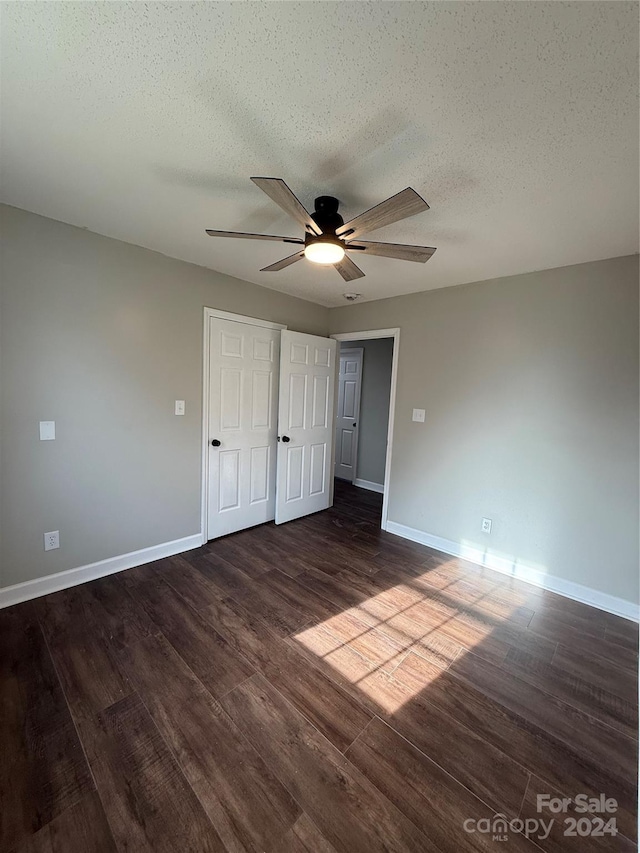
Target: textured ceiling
518,122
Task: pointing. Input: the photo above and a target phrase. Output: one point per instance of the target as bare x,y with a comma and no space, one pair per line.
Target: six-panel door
348,414
243,411
306,428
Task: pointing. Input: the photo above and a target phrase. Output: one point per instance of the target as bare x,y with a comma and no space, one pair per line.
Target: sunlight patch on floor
394,644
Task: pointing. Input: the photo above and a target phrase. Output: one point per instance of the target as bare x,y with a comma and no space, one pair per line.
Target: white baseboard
569,589
367,484
72,577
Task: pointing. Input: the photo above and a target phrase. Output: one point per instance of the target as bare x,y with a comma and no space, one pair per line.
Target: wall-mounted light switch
179,407
418,415
47,430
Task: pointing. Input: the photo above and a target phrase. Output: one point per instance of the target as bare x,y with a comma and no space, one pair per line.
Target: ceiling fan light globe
324,252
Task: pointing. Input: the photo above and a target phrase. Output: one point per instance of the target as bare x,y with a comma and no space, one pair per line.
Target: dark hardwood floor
320,687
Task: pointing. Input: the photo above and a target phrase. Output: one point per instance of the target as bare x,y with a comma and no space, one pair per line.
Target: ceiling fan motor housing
325,237
326,215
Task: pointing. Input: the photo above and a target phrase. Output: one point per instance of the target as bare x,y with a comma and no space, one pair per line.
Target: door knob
355,425
286,438
216,442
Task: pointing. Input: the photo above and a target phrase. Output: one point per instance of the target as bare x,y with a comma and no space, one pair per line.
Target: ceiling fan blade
279,192
348,270
285,262
402,252
400,206
243,236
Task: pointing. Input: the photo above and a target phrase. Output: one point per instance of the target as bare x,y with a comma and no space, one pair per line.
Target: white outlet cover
179,410
418,415
486,525
47,430
52,540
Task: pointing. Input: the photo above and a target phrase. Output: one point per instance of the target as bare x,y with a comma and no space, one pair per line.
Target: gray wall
530,385
374,407
102,337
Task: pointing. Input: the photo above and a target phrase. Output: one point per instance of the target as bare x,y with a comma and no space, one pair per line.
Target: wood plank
624,632
551,714
606,758
43,770
360,528
82,827
561,625
424,792
349,811
328,587
189,583
492,600
310,549
297,596
231,549
473,612
487,637
617,655
120,617
347,557
148,802
419,708
382,649
73,622
400,552
617,680
267,604
333,528
339,661
607,707
243,630
333,711
498,643
381,597
275,550
552,605
207,653
248,806
309,838
567,766
431,643
438,573
263,548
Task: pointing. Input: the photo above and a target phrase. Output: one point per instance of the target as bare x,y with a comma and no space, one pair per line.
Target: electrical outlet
418,416
486,525
179,409
52,540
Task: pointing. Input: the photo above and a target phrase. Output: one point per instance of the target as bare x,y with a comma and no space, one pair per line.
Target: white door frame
365,336
236,318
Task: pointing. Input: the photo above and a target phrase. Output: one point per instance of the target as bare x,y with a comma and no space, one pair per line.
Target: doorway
365,410
348,411
268,423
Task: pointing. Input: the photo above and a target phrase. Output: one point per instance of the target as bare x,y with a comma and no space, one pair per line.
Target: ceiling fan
328,237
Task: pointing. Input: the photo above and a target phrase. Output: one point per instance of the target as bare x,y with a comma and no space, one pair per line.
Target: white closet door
305,425
243,409
348,414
